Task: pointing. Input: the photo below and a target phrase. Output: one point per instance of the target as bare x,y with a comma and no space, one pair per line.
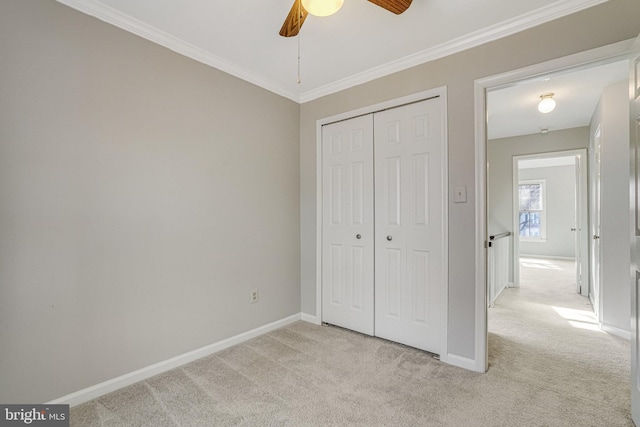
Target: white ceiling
359,43
513,110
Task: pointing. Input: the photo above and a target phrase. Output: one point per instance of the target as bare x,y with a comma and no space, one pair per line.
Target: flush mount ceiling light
546,104
322,7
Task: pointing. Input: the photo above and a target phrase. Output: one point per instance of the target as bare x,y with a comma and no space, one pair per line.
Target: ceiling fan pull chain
299,80
299,24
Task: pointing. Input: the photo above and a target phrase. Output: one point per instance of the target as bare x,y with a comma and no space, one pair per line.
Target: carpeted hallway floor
547,368
545,335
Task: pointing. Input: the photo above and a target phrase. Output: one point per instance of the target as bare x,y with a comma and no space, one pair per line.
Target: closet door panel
347,228
409,223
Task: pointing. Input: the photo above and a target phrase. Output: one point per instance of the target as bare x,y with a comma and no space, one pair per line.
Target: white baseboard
616,331
461,362
508,285
113,384
310,318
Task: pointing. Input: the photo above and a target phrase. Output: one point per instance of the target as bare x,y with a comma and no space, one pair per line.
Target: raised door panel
419,268
347,228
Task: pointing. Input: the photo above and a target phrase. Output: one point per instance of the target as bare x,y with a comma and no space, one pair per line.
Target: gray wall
614,20
613,113
142,195
500,153
560,211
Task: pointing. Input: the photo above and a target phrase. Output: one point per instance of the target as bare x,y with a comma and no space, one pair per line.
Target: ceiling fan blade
395,6
294,22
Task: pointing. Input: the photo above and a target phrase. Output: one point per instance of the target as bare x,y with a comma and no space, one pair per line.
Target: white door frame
605,54
419,96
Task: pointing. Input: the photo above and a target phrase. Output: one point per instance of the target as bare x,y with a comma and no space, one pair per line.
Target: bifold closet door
409,224
347,221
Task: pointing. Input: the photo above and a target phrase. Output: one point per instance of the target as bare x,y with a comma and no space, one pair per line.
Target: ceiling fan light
547,103
322,7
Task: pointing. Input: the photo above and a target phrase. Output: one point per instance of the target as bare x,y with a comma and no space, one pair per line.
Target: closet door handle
389,238
358,236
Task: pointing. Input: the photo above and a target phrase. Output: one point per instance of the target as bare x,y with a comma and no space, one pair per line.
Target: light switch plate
460,194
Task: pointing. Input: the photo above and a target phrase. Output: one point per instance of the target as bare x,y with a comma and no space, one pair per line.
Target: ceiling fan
298,14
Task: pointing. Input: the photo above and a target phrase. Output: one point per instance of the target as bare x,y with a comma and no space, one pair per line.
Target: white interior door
582,241
347,224
596,258
634,111
576,229
409,224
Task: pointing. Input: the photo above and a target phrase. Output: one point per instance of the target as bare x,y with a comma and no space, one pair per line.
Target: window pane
530,197
530,224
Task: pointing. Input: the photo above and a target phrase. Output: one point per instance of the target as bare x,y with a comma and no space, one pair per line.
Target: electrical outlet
460,194
253,297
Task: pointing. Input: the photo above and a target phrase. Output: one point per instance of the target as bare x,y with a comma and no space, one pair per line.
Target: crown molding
112,16
525,21
503,29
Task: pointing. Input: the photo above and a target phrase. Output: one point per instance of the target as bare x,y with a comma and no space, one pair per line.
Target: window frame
543,212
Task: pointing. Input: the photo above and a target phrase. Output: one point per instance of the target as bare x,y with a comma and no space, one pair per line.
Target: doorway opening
550,212
538,143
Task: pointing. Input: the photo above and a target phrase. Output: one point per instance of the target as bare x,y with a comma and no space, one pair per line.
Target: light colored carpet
544,371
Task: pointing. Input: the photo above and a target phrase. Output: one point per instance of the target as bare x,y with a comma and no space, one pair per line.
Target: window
531,212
